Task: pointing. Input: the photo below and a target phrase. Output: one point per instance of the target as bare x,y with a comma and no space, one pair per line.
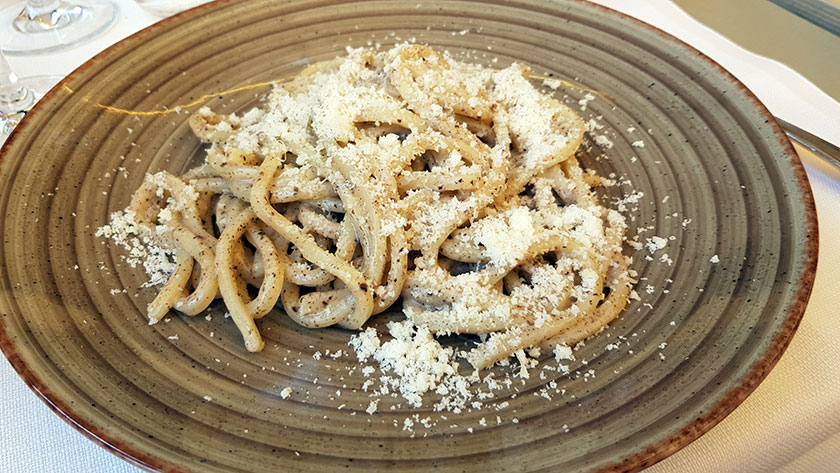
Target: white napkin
790,423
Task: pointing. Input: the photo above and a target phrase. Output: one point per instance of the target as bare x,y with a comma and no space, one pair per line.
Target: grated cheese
411,361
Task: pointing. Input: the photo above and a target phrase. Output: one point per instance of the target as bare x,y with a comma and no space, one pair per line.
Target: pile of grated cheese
412,362
144,247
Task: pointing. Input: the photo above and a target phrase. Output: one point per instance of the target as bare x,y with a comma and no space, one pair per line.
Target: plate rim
762,367
647,454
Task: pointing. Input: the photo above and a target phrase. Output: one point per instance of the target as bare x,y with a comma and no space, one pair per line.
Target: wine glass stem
14,97
35,8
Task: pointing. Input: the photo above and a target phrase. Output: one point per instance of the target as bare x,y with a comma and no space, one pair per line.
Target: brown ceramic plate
716,172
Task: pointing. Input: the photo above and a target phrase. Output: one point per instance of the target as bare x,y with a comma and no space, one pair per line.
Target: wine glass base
165,8
72,23
38,86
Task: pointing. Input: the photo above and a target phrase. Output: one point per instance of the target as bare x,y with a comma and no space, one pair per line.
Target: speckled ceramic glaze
716,174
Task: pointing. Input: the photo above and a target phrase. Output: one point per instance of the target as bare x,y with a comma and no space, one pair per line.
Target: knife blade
819,146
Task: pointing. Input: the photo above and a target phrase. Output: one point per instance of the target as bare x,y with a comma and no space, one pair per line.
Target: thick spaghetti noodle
394,174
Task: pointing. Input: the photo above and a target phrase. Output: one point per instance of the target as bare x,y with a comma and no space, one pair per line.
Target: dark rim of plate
647,455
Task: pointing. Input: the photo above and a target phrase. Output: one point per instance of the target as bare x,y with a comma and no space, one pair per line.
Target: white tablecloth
790,423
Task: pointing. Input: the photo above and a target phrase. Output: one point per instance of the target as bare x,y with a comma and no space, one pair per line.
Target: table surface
790,423
768,29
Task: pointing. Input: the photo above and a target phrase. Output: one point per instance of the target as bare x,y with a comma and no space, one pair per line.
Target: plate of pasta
310,236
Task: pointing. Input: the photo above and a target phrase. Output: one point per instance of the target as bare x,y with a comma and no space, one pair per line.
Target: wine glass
165,8
17,96
44,26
